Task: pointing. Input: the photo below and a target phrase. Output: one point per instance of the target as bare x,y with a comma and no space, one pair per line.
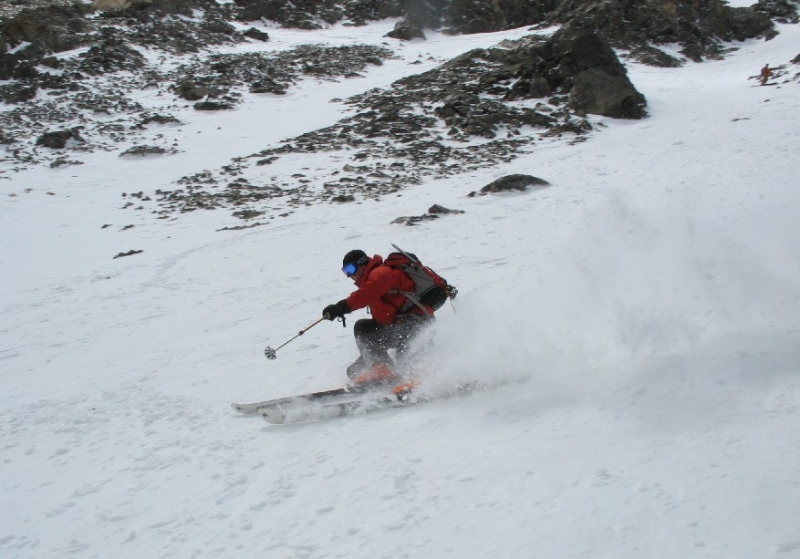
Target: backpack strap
412,298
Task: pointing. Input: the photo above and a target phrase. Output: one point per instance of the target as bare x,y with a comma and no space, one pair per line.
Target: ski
313,396
298,411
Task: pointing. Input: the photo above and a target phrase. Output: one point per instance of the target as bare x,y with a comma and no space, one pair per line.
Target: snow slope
644,312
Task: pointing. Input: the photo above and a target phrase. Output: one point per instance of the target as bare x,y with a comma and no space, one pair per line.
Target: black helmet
357,257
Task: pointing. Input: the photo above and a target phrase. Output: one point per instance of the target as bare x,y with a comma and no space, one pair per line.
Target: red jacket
373,287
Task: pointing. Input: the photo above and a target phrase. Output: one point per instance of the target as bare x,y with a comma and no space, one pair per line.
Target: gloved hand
332,312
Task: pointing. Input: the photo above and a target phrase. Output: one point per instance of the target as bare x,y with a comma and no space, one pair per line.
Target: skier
389,328
765,74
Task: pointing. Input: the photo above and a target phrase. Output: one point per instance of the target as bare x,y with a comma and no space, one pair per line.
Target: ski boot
403,390
377,374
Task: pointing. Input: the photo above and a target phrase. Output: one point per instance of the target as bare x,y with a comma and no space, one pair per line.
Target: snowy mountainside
648,300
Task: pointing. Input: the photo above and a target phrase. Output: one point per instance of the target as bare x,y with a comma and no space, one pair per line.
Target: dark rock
158,119
194,92
437,209
59,138
142,151
513,182
212,106
129,253
600,92
256,34
589,70
434,212
247,214
343,198
406,31
652,56
414,220
268,85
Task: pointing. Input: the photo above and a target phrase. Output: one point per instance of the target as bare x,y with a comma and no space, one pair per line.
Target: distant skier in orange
765,74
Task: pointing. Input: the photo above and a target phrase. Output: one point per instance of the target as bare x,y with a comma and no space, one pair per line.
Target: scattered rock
701,28
782,11
109,56
17,93
453,119
63,161
241,227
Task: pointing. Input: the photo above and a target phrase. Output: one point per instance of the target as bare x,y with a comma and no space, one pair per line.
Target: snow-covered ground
646,308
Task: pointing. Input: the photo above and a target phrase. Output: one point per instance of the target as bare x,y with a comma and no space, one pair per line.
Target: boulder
406,31
59,139
577,62
509,183
256,34
589,70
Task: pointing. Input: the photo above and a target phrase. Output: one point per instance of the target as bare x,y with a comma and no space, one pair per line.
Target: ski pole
272,353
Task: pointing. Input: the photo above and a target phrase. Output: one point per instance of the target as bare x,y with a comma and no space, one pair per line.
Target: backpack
430,289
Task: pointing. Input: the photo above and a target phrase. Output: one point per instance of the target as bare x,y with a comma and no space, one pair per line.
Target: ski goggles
350,269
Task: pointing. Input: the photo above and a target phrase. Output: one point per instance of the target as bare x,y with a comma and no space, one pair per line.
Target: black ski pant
375,340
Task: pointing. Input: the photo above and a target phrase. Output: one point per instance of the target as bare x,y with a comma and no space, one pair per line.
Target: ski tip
244,408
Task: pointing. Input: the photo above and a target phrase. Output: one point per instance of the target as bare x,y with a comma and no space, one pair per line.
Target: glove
332,312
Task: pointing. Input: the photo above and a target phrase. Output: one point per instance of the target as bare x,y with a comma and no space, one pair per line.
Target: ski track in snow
648,300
